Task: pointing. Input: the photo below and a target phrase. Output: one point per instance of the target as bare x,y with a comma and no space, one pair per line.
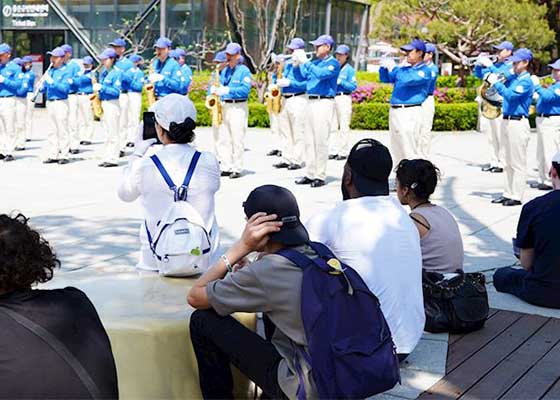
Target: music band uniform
29,83
21,105
85,90
168,73
136,80
424,142
72,69
9,83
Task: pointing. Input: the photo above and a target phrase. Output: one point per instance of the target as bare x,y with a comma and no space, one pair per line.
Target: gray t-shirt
271,285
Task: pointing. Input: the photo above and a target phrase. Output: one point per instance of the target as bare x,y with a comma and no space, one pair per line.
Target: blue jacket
298,83
74,71
136,79
186,79
434,74
84,82
27,82
171,71
124,64
12,74
238,79
410,83
60,88
549,99
346,82
517,94
111,81
500,67
321,76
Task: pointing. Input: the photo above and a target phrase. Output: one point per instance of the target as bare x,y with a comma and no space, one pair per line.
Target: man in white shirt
372,233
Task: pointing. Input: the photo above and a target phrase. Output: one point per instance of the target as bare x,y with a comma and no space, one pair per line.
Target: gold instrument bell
95,100
273,96
491,106
149,87
213,101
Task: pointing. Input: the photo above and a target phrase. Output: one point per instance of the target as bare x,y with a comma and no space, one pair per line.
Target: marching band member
167,72
57,87
9,83
321,75
235,84
409,92
135,77
219,59
491,127
30,106
21,106
109,88
346,84
72,70
180,56
548,125
428,106
517,94
85,114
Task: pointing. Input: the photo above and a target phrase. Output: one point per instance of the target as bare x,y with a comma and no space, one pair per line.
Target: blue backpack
350,348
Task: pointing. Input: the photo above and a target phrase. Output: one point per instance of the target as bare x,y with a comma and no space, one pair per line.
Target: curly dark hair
25,257
420,176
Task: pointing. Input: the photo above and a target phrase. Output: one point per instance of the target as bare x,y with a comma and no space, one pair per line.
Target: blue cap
323,39
505,45
173,54
5,48
241,60
57,52
555,64
431,48
17,61
135,58
26,59
296,44
233,49
180,52
521,55
342,49
66,48
416,44
87,60
108,53
220,56
119,42
163,43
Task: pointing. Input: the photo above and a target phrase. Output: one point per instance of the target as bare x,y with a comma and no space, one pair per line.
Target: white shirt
375,236
141,179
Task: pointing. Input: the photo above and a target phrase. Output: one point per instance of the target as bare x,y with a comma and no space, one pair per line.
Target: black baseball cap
272,199
371,165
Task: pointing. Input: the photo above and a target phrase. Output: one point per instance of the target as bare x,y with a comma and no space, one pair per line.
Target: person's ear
347,177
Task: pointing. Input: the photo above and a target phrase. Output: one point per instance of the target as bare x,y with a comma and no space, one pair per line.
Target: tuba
272,97
491,105
213,101
149,87
95,100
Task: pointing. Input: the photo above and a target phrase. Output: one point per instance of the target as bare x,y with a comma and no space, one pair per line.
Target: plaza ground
76,208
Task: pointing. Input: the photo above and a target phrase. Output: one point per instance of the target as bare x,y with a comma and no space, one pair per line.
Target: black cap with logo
371,165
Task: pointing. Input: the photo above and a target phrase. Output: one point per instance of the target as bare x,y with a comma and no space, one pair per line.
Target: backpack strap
303,261
321,250
182,191
163,172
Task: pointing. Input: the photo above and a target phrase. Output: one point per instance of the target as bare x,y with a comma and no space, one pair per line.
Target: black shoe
225,173
74,151
130,144
9,157
85,143
544,186
235,175
281,165
20,148
110,165
2,156
273,153
500,200
510,202
317,183
304,181
63,161
102,165
497,170
50,161
340,158
122,154
488,168
332,156
293,167
534,185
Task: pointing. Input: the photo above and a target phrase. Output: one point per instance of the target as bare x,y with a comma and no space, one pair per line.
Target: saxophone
149,87
213,101
272,96
95,100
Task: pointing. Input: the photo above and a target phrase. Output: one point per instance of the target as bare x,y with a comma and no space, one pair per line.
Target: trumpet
280,58
213,101
40,84
272,96
149,87
95,100
470,61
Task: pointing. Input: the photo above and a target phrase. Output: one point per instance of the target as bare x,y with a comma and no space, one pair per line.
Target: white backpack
181,243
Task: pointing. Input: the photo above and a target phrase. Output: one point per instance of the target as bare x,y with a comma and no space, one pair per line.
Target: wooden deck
515,356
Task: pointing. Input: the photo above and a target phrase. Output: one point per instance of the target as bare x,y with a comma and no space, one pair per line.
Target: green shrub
370,116
364,77
450,81
455,95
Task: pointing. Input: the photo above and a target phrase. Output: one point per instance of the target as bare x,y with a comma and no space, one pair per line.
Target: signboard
25,15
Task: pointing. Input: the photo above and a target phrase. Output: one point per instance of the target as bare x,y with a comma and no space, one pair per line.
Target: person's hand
222,91
492,79
213,89
300,56
141,146
485,61
153,78
256,232
390,64
283,82
536,81
97,87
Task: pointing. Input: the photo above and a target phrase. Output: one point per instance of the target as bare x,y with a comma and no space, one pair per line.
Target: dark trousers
514,281
221,341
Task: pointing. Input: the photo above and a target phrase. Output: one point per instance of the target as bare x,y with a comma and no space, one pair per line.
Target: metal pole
328,18
362,41
163,17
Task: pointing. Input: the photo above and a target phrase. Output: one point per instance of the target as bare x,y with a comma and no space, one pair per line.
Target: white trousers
404,125
123,120
85,118
491,128
548,143
231,142
341,125
424,139
275,130
111,125
514,139
21,117
318,128
73,121
291,124
58,140
29,117
8,136
134,108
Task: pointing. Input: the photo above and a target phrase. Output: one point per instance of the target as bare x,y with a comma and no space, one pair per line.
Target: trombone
40,84
470,61
280,58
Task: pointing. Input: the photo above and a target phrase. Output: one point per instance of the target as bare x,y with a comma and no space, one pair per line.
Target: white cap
173,108
556,158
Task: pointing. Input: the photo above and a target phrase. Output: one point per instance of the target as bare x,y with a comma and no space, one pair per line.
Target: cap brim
293,235
554,66
515,59
407,47
316,43
370,187
341,52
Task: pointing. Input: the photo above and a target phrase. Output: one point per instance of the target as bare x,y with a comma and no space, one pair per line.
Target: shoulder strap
322,250
419,222
58,347
299,259
163,172
190,171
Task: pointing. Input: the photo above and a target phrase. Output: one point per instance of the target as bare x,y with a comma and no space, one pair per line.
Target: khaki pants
404,125
29,117
318,128
291,123
21,117
73,121
111,123
85,118
548,143
123,120
424,142
491,128
514,139
8,136
231,143
58,145
341,125
134,108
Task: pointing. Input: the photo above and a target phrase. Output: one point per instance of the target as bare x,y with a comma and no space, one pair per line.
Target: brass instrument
491,106
149,87
213,101
273,96
40,84
95,100
470,61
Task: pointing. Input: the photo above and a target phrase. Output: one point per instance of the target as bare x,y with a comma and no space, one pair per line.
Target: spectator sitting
440,239
175,122
271,285
40,325
538,282
371,231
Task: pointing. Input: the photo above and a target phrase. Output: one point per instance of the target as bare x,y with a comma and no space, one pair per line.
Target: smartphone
149,132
